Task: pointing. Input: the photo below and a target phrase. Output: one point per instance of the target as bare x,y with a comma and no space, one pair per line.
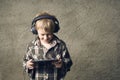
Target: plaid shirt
47,71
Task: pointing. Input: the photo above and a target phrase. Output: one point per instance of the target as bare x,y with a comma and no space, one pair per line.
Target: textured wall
90,28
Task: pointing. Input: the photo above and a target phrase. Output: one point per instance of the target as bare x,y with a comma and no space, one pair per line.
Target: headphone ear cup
33,30
57,28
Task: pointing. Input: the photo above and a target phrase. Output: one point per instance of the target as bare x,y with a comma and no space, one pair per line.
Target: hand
29,64
58,64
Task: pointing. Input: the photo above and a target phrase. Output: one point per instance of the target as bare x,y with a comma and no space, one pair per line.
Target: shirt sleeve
27,57
66,60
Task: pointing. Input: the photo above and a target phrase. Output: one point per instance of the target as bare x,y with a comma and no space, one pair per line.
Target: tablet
45,61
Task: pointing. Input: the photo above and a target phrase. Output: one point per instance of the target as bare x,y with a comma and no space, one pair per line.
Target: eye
42,34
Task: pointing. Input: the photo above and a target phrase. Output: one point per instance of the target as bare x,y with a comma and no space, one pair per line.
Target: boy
46,46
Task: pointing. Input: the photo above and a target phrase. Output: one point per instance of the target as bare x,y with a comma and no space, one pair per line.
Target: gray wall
90,28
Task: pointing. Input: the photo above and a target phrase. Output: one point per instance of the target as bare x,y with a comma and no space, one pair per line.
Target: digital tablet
45,61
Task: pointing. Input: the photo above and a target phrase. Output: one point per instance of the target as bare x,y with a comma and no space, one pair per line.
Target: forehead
43,31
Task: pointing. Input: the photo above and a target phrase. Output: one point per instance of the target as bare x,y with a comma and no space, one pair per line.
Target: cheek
41,37
50,37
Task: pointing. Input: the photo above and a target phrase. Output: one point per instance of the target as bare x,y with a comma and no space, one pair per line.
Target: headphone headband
45,17
56,22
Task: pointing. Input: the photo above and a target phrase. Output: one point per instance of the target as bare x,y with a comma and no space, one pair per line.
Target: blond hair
45,24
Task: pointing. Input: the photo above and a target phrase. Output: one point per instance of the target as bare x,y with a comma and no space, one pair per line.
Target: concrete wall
90,28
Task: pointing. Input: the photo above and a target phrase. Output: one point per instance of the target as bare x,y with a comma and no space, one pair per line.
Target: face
44,36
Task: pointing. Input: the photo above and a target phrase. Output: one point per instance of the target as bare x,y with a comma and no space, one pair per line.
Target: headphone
56,22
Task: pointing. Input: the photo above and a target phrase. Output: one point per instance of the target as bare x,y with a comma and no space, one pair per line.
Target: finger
31,63
60,60
31,67
30,60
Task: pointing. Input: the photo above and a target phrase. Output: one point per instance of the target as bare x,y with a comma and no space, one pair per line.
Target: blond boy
46,46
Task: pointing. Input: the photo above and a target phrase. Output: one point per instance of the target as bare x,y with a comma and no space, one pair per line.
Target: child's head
45,25
46,22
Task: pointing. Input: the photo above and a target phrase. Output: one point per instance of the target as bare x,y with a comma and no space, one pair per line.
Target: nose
45,37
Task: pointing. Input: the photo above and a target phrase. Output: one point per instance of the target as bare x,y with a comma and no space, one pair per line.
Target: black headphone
56,22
